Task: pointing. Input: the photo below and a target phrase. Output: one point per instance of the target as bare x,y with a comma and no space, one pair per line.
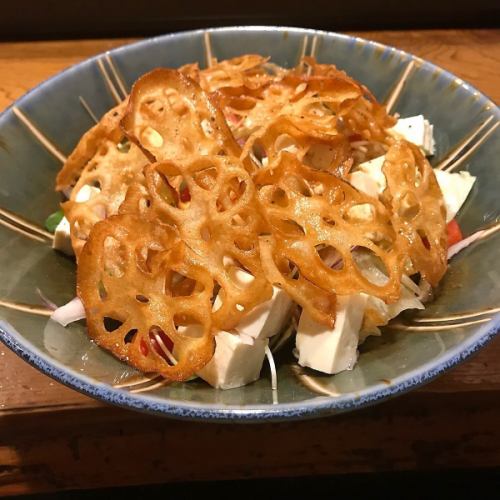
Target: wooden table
53,438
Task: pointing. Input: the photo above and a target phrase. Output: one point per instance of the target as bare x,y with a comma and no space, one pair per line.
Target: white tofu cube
360,213
235,363
86,192
369,178
455,188
332,350
364,183
418,130
62,239
268,318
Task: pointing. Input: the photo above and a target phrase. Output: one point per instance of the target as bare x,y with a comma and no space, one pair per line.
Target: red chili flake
144,347
184,193
233,118
167,341
454,232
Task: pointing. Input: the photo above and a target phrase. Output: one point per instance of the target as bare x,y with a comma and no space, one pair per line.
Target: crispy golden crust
170,118
88,146
328,152
244,71
308,210
102,159
207,223
112,170
417,210
219,225
131,271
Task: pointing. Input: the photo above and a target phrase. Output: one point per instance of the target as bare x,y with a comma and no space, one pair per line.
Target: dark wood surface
52,438
52,19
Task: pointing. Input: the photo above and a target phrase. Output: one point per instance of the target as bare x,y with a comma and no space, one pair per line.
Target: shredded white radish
67,191
458,247
68,313
272,366
164,348
46,300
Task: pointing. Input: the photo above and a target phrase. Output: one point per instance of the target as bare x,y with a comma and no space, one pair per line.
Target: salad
216,213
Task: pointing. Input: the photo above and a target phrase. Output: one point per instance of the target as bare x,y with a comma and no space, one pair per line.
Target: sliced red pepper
232,117
454,233
184,193
167,341
144,347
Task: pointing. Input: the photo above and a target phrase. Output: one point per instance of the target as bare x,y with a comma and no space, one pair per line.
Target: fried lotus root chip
309,211
219,224
312,103
365,104
366,119
170,117
142,301
108,174
243,71
137,200
319,303
247,110
89,145
191,70
417,207
328,152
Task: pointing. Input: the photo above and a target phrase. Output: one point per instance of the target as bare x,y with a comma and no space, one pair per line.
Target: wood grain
53,438
473,55
115,447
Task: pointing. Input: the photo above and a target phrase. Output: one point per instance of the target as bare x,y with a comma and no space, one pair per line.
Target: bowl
44,126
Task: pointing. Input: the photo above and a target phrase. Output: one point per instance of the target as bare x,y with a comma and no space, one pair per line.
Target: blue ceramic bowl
389,365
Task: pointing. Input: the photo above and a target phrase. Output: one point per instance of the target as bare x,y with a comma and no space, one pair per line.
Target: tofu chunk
418,130
332,350
62,239
455,188
86,192
236,361
369,178
268,318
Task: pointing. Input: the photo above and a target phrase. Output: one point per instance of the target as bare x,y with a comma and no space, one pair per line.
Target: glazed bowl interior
388,365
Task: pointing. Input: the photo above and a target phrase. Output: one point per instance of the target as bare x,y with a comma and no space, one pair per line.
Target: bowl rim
312,408
319,406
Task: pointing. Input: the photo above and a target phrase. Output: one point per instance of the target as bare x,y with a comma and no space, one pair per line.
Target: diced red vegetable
184,193
144,347
232,117
454,233
167,341
355,137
